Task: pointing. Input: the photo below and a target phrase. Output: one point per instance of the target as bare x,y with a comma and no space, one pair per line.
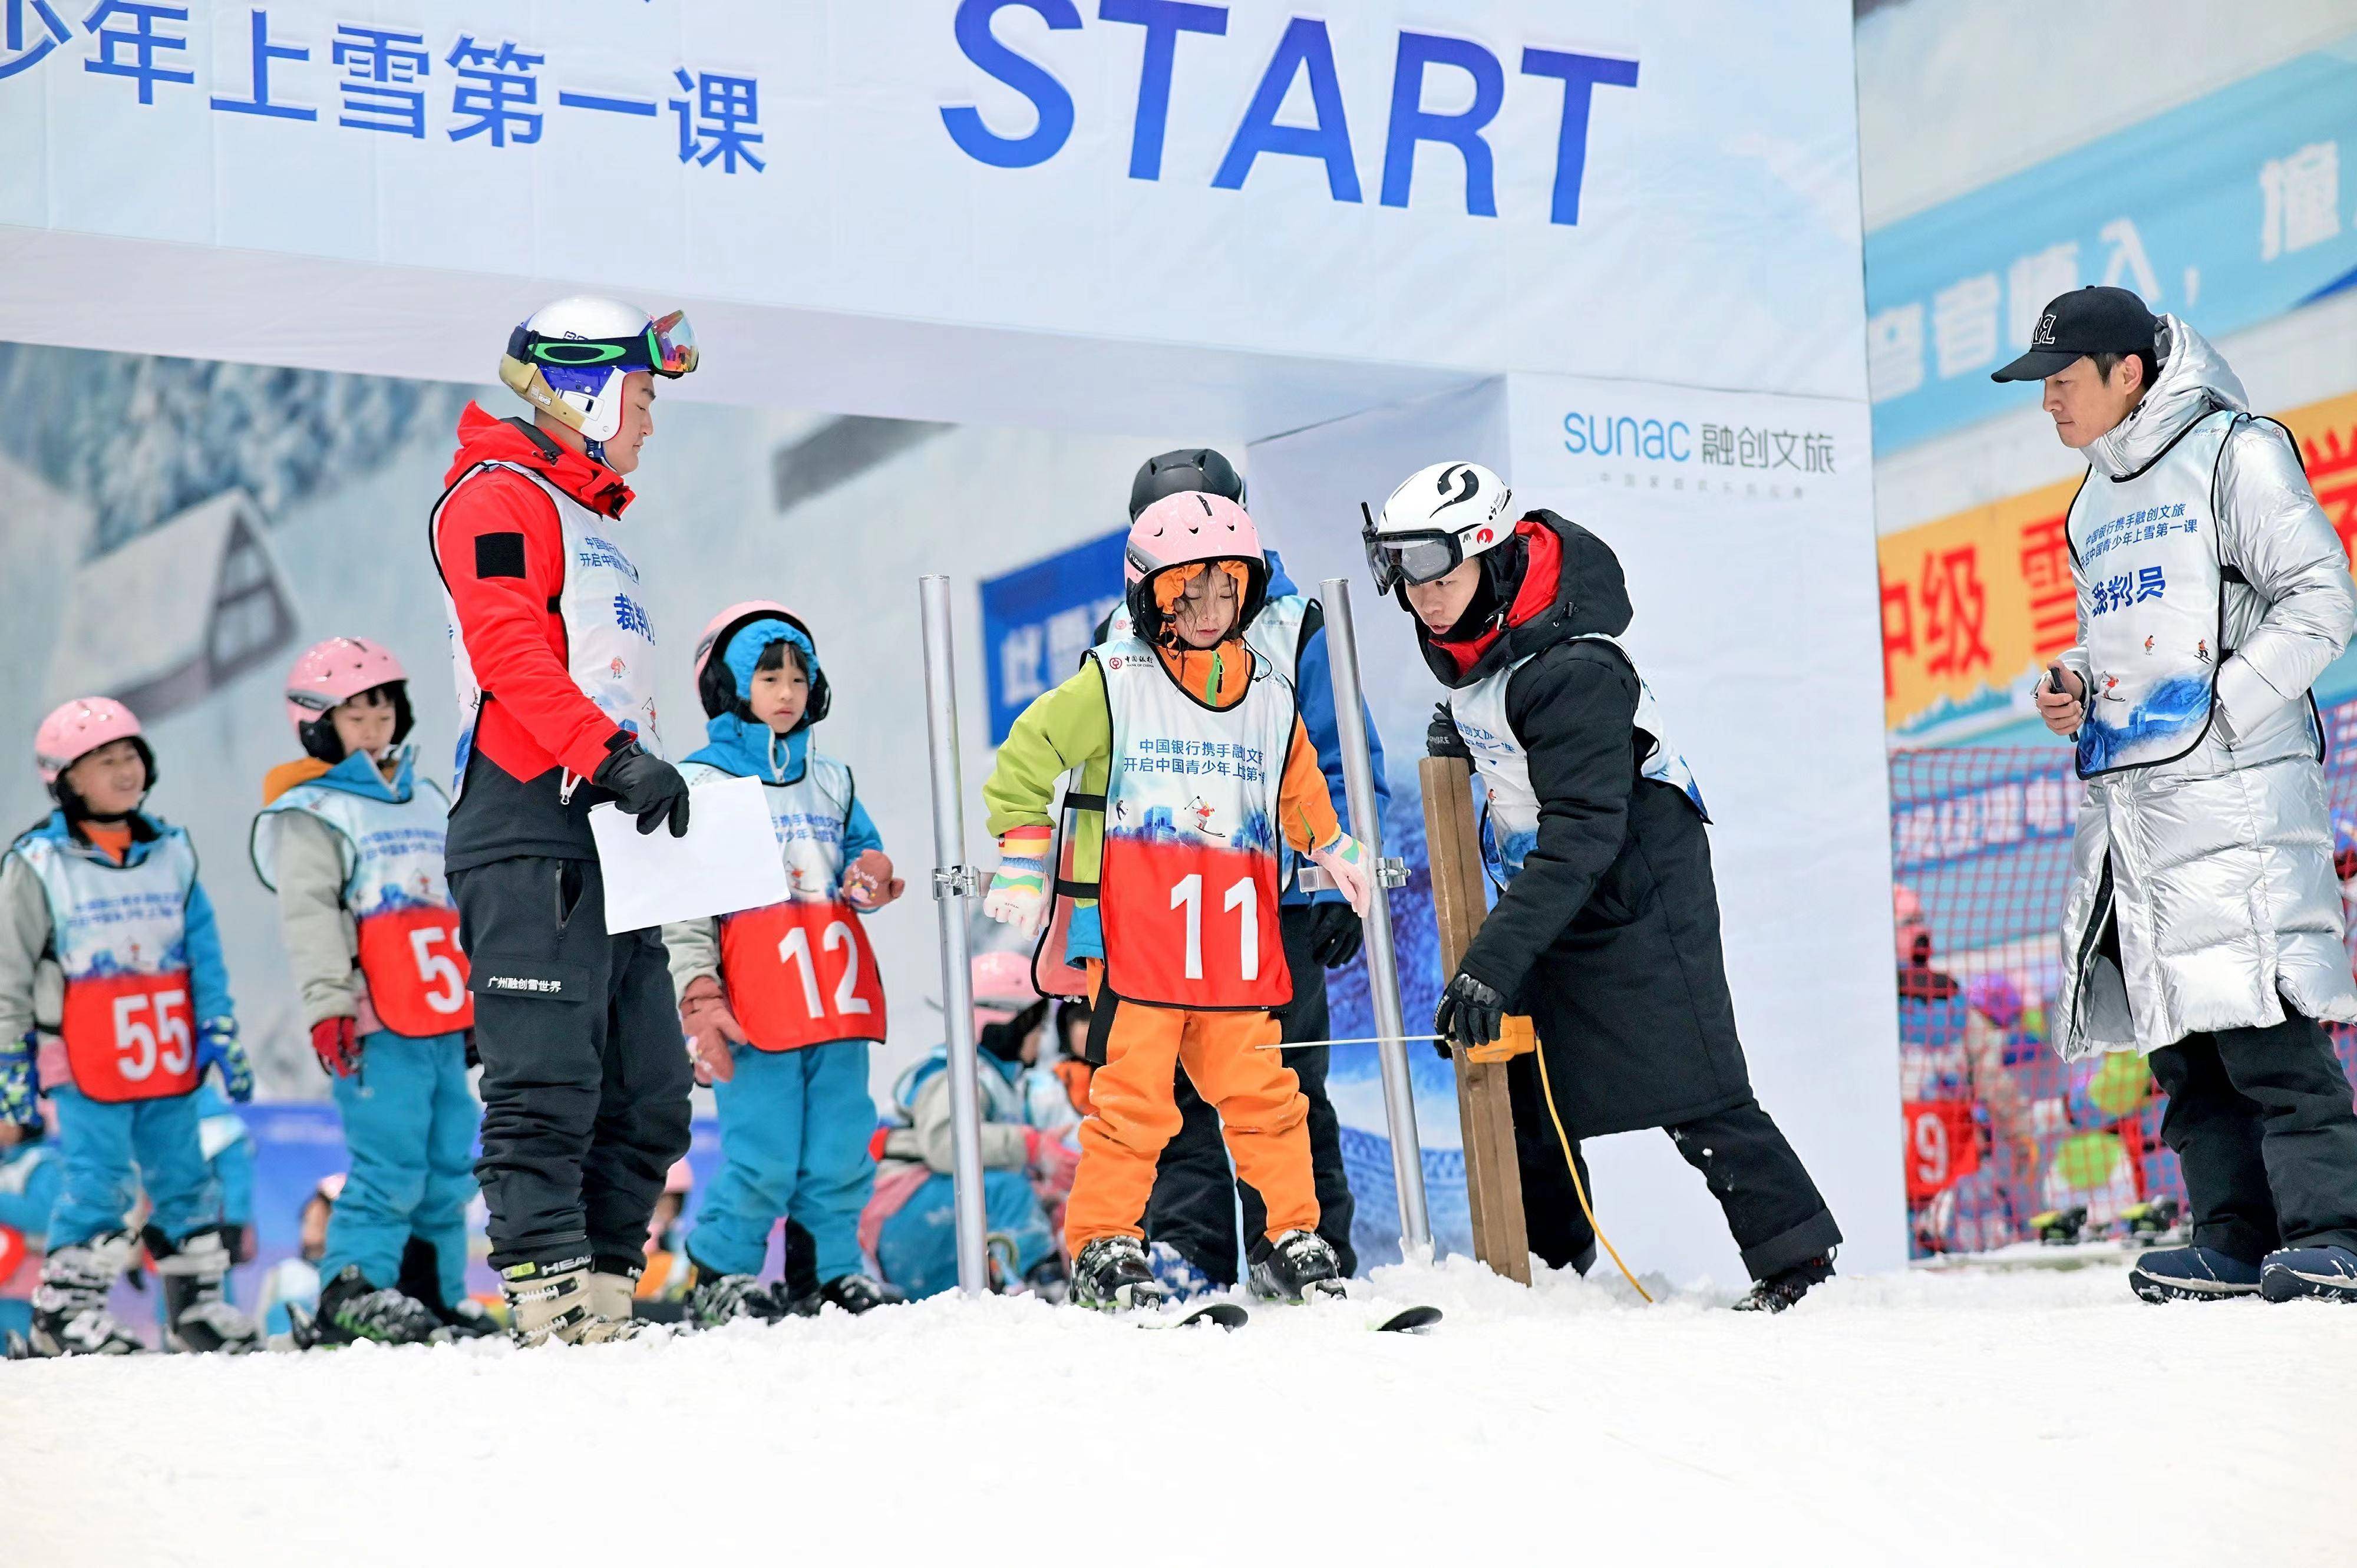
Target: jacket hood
358,775
2193,380
1591,596
483,439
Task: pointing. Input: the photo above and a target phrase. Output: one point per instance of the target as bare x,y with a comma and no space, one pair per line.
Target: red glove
711,1028
1054,1161
337,1044
868,884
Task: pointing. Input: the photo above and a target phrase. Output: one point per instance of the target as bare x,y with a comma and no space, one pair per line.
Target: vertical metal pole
1382,968
953,885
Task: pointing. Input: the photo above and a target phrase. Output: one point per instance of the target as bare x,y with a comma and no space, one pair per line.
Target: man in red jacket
584,1082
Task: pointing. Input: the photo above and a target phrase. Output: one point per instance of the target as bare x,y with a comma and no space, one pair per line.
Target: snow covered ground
1996,1417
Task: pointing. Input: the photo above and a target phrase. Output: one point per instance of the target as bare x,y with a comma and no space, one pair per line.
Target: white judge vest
2145,550
609,642
1510,822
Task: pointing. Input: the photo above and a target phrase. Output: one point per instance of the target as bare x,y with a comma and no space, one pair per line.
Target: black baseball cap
2094,320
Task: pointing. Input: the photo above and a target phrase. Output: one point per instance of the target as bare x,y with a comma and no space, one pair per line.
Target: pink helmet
1180,530
335,672
75,729
718,691
1002,988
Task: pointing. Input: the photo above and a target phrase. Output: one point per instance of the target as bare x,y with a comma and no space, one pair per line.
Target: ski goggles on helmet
667,346
1405,558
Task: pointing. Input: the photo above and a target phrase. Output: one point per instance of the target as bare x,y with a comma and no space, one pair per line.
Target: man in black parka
1606,931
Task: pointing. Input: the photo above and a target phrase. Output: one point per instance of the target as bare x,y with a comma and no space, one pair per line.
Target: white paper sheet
728,861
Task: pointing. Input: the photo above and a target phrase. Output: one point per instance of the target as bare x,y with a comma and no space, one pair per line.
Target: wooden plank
1493,1180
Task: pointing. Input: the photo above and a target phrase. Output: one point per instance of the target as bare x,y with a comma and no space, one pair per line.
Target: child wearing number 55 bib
351,839
1188,758
780,1003
114,1002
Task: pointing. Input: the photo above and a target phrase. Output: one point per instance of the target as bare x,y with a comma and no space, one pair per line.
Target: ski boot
197,1315
1780,1291
560,1301
352,1309
2327,1273
421,1282
854,1294
70,1315
1178,1272
1298,1263
717,1298
1111,1275
2060,1227
1048,1280
2149,1222
2193,1274
466,1319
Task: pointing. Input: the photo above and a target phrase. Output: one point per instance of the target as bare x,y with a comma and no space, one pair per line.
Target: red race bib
417,974
131,1036
1189,925
1943,1145
801,974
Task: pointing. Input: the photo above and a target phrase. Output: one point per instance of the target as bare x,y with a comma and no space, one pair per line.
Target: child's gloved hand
1018,893
868,884
1053,1161
19,1088
711,1029
336,1042
217,1047
1342,858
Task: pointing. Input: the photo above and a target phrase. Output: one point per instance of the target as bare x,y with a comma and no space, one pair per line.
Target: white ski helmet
1438,519
569,358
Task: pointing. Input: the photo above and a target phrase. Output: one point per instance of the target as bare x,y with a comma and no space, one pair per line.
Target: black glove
1335,934
1471,1013
1441,738
647,786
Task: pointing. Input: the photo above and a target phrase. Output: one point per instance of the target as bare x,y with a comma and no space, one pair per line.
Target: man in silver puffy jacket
2203,925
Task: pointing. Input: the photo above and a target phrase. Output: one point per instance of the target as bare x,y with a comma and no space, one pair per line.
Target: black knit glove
647,786
1336,934
1441,738
1471,1013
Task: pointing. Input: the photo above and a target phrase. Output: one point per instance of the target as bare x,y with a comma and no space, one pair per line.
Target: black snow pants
1193,1207
585,1078
1771,1206
2261,1120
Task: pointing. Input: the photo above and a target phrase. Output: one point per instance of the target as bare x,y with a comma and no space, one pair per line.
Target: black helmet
1176,473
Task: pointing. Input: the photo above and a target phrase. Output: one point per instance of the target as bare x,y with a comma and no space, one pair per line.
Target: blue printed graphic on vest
597,552
2170,712
2146,523
2118,591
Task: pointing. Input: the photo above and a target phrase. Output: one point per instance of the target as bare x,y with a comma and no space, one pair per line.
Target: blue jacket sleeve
208,973
1315,692
859,834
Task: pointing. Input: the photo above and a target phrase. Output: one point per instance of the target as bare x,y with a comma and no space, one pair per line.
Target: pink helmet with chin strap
1180,529
335,672
75,729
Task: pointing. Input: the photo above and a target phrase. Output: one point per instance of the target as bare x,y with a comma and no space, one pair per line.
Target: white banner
1611,188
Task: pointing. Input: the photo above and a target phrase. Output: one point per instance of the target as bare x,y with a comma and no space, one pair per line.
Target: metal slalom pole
1383,967
954,883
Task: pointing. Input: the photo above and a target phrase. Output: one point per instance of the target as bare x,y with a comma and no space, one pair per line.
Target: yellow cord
1577,1185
